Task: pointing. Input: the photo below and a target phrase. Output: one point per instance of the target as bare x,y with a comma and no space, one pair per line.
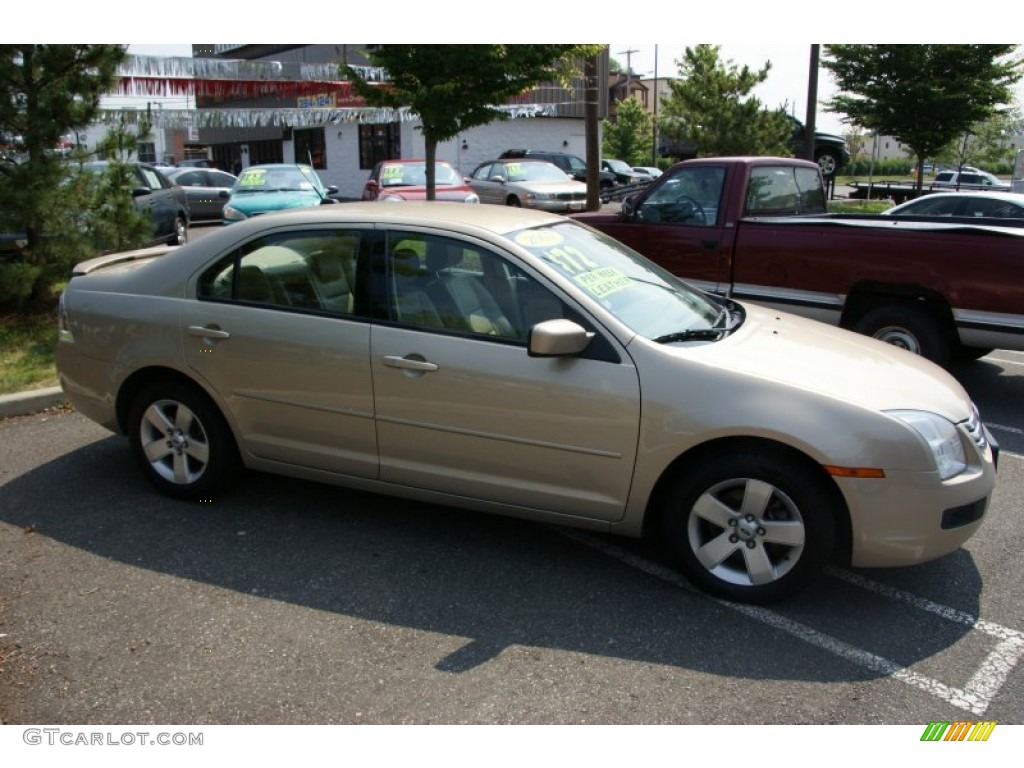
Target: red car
397,180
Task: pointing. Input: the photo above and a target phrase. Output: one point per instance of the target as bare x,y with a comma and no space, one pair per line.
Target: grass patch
26,351
858,206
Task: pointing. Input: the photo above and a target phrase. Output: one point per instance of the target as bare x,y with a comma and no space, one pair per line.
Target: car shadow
497,581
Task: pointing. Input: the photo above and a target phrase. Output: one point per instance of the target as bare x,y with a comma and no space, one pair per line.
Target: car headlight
539,196
942,438
472,198
233,214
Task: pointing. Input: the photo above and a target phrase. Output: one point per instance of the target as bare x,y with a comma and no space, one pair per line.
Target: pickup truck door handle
409,364
208,333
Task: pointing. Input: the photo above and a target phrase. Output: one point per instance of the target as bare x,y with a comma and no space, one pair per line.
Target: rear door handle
208,333
411,363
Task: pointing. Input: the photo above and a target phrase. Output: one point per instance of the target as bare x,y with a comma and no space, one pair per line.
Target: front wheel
907,328
180,236
749,527
513,202
181,441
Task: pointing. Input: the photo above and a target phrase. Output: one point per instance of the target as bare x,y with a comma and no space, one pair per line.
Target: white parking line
1004,428
975,697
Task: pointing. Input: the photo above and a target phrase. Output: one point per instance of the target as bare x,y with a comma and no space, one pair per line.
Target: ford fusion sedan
393,181
263,189
518,362
522,183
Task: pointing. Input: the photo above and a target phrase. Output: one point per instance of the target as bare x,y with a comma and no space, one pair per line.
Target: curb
24,403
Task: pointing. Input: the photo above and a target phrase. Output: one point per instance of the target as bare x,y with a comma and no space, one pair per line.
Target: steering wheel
698,211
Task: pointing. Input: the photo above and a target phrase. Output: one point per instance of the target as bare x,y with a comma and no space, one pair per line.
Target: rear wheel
907,328
181,441
749,527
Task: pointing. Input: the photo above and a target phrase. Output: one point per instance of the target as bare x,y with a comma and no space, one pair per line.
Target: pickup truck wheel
906,328
749,527
181,441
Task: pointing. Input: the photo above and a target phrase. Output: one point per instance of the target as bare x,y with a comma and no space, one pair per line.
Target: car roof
1008,197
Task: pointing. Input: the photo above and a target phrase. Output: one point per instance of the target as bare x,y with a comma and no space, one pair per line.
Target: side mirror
141,191
224,194
558,338
498,179
628,208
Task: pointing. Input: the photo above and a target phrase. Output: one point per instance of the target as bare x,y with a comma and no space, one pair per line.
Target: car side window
690,197
150,178
453,286
307,271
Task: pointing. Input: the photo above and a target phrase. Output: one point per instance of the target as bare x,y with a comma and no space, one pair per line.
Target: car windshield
515,172
640,294
618,166
283,179
415,175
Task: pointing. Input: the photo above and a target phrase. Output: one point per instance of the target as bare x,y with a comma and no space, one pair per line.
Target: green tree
113,222
710,106
630,137
455,87
986,143
46,91
925,96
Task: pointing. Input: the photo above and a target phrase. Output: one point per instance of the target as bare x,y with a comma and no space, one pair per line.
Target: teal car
274,187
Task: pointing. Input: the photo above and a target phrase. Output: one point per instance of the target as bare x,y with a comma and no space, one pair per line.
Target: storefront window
310,147
379,142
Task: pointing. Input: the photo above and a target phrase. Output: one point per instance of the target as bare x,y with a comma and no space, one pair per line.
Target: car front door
159,203
675,224
275,331
462,409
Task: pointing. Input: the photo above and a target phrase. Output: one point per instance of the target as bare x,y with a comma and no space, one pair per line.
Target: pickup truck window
691,197
784,191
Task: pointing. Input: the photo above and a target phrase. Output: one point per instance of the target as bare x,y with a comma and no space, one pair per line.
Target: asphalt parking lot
292,602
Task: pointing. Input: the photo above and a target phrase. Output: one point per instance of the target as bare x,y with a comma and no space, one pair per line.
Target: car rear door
276,333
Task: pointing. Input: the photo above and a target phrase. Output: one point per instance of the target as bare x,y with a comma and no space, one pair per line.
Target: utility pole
629,66
590,122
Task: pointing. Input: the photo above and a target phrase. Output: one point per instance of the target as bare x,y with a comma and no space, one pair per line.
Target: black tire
908,328
180,236
513,201
181,441
750,527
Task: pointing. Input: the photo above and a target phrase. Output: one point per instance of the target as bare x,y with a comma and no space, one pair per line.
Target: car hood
262,202
549,187
454,194
834,363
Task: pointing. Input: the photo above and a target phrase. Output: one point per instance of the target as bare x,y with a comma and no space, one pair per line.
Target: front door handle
208,333
410,363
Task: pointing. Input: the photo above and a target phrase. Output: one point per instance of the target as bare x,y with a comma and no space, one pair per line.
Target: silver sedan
518,362
528,184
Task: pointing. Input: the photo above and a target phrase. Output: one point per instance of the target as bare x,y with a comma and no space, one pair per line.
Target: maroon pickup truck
756,229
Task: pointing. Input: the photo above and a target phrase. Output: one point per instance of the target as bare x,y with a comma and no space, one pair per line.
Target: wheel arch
867,296
142,378
726,446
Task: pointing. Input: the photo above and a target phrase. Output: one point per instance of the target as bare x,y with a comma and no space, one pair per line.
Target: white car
996,205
